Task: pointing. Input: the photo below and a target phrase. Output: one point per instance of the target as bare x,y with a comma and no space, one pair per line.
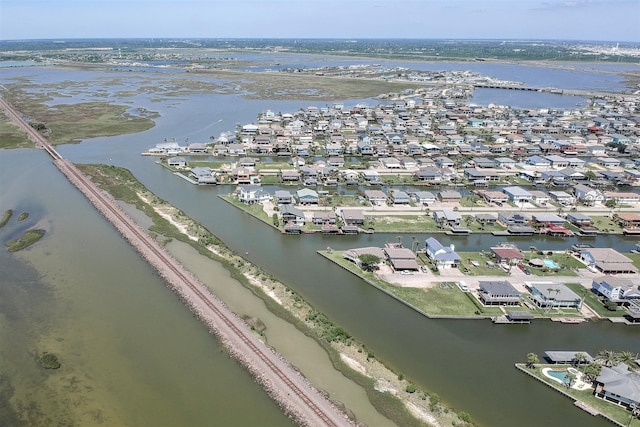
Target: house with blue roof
441,256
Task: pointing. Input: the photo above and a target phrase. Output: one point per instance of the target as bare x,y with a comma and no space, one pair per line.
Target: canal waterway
468,363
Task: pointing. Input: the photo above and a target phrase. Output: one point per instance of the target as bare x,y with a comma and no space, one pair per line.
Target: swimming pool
549,263
560,376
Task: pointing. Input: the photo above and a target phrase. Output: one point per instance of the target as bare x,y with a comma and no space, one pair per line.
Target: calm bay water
118,321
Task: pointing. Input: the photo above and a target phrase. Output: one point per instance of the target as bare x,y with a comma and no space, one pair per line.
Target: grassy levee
123,186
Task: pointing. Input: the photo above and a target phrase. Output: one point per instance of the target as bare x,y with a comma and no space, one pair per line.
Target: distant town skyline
593,20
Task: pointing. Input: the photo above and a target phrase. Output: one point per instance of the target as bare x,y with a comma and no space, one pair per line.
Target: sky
600,20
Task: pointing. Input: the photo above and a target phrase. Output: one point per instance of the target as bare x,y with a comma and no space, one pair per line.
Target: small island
49,361
6,217
27,239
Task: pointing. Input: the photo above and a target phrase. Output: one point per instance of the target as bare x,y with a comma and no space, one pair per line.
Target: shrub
410,388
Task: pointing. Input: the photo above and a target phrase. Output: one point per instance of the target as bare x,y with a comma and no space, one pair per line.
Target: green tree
532,359
607,358
369,262
627,358
592,370
580,358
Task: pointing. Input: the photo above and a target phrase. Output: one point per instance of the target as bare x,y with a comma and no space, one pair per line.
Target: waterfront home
248,162
167,148
352,217
512,218
622,197
291,215
620,385
538,162
607,261
486,218
558,162
444,162
401,259
578,219
428,174
245,175
283,197
390,163
252,194
587,195
539,197
493,196
562,197
399,197
480,175
596,150
441,256
517,194
307,196
423,197
197,148
550,295
505,162
572,174
449,196
370,176
204,175
323,217
290,175
617,289
220,150
498,292
375,197
447,218
177,162
608,162
507,254
628,219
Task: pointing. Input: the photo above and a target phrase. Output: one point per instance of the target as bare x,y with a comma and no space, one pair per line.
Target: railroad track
131,231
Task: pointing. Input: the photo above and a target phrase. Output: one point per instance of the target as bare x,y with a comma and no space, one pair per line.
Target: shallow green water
131,353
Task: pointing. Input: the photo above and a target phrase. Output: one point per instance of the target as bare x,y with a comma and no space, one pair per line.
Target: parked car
526,271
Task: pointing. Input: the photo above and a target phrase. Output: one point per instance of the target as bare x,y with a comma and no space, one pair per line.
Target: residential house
540,197
423,197
512,218
517,194
617,289
251,194
204,175
619,384
323,217
447,218
441,256
399,197
449,196
546,219
607,261
283,197
428,174
352,216
507,254
375,197
562,197
499,292
177,162
291,215
551,295
307,196
401,259
587,195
